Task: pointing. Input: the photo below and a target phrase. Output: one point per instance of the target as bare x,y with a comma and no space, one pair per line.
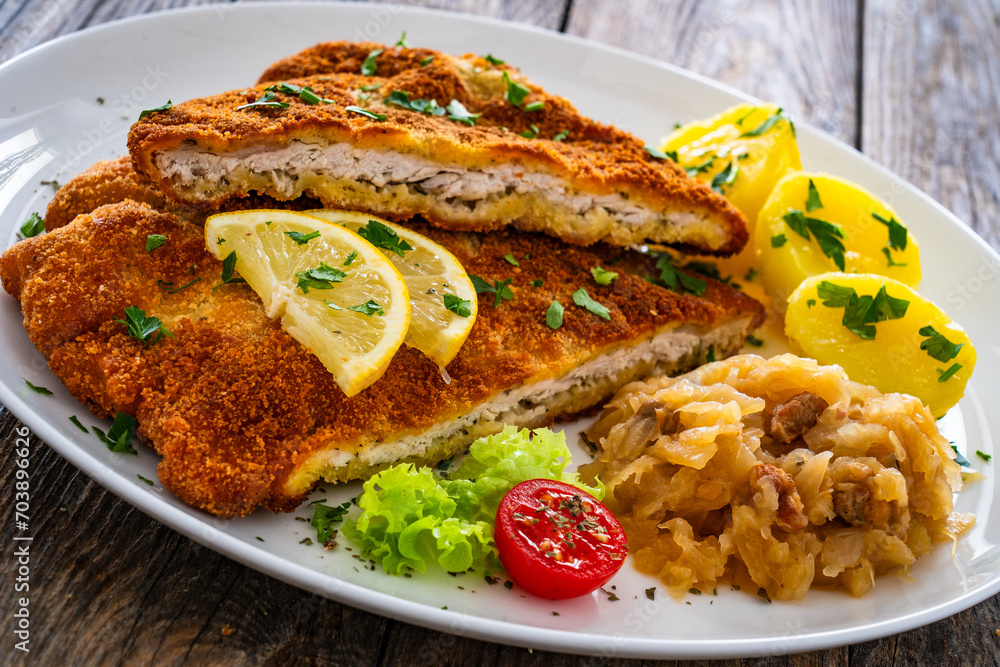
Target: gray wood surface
915,84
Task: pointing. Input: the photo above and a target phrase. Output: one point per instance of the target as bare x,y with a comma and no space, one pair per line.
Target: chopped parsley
350,258
368,308
725,177
937,346
810,303
144,480
458,305
382,236
536,283
165,107
183,287
427,61
511,259
326,518
537,105
305,94
401,98
561,135
778,240
699,168
78,424
367,114
228,266
766,125
983,455
371,87
661,155
516,92
889,259
602,276
750,275
828,235
154,241
33,226
35,388
531,133
861,313
141,327
813,202
500,289
401,42
753,340
945,375
675,280
302,239
458,113
444,464
268,100
959,459
554,315
582,299
489,57
119,436
897,232
369,66
710,357
320,277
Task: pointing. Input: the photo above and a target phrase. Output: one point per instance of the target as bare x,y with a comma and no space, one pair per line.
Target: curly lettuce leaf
498,463
410,518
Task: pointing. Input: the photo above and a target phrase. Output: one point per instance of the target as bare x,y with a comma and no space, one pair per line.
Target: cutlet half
538,166
114,181
244,416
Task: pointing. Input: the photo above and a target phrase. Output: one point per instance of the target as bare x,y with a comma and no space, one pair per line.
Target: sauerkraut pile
776,474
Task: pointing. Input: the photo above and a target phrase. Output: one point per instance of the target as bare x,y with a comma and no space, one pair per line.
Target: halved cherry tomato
557,541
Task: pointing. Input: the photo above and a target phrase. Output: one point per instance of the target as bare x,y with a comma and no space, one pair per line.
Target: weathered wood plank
931,99
28,23
801,55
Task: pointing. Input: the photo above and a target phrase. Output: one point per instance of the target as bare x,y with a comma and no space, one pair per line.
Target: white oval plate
52,126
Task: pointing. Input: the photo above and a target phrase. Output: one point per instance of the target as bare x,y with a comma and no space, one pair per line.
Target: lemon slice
431,274
335,293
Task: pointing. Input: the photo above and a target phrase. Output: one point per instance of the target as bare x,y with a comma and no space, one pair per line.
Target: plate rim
200,529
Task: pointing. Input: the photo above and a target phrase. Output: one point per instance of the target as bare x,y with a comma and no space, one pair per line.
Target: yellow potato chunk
743,151
809,216
882,333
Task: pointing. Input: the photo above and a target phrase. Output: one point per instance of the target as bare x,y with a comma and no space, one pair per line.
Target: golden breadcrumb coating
238,409
586,158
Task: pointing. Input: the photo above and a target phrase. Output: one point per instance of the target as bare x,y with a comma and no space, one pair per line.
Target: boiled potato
755,142
870,244
824,321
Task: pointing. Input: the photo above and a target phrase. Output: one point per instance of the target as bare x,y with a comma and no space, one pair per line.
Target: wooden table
915,84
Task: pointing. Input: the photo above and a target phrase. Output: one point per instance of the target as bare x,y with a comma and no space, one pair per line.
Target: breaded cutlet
114,181
244,416
387,144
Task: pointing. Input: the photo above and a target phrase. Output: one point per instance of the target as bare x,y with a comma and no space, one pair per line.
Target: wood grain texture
801,55
932,102
111,586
